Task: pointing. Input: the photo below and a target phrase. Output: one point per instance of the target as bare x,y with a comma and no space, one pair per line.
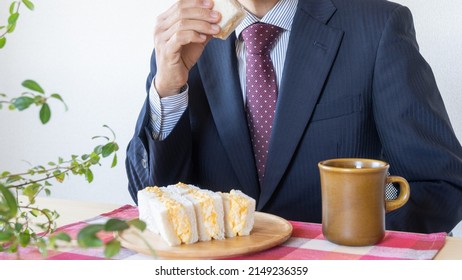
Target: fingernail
214,14
215,27
206,2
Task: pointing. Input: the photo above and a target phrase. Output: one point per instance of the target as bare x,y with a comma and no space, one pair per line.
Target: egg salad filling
238,209
176,213
207,209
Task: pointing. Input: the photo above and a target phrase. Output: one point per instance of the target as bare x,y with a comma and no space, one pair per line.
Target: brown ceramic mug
353,200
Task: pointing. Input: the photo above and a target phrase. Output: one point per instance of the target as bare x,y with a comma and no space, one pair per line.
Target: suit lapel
310,55
219,64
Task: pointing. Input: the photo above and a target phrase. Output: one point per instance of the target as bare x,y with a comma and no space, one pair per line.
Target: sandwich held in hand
184,214
232,13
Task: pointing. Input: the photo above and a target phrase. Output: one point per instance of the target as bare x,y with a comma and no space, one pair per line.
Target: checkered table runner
306,243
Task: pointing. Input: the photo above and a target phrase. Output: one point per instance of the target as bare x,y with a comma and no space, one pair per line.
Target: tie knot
260,38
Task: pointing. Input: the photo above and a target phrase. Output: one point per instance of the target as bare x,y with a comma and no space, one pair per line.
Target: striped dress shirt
165,112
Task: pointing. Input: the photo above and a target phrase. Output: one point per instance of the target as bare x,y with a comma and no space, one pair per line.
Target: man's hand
180,36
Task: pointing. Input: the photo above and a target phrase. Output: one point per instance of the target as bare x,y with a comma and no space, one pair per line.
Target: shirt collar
281,15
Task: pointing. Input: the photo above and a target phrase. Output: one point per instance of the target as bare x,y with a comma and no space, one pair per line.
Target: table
73,211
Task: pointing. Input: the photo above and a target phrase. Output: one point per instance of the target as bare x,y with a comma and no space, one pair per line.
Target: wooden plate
268,231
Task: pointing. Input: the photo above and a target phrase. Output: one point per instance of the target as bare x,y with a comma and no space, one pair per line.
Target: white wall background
95,53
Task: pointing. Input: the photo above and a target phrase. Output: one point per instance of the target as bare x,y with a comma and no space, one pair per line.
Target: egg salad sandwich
239,213
184,214
169,214
232,13
208,206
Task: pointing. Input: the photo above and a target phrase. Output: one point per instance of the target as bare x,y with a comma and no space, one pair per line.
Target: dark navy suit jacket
354,85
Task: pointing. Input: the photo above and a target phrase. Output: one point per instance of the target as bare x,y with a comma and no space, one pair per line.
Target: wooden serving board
268,231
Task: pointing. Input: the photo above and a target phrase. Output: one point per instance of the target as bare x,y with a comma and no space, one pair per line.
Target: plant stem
27,173
49,221
48,176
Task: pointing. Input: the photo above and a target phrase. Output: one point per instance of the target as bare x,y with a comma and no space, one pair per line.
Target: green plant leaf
2,42
42,247
114,161
33,85
109,148
18,226
31,190
8,204
24,238
62,236
94,158
12,6
112,248
59,175
87,236
11,28
6,235
89,175
137,223
13,18
13,178
23,102
34,212
115,225
45,113
29,4
98,149
57,96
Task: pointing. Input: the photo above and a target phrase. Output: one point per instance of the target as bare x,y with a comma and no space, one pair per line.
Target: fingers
190,18
189,9
180,36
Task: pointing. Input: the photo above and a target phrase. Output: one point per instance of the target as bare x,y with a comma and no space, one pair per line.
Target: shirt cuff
166,111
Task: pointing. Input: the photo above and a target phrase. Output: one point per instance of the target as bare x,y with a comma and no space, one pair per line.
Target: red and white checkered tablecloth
306,243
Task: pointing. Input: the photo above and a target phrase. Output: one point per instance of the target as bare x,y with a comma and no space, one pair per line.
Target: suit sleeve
157,162
417,136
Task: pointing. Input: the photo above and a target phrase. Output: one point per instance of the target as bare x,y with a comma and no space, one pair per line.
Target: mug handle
404,193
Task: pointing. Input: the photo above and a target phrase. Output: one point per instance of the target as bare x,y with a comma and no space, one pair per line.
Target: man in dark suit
351,83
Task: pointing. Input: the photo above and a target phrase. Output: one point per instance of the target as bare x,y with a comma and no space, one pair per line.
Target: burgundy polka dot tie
261,88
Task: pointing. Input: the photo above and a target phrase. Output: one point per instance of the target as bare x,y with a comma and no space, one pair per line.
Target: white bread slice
232,13
208,206
171,215
145,213
239,213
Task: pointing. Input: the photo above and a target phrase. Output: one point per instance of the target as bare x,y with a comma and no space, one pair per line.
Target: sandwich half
168,214
239,213
232,13
208,206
